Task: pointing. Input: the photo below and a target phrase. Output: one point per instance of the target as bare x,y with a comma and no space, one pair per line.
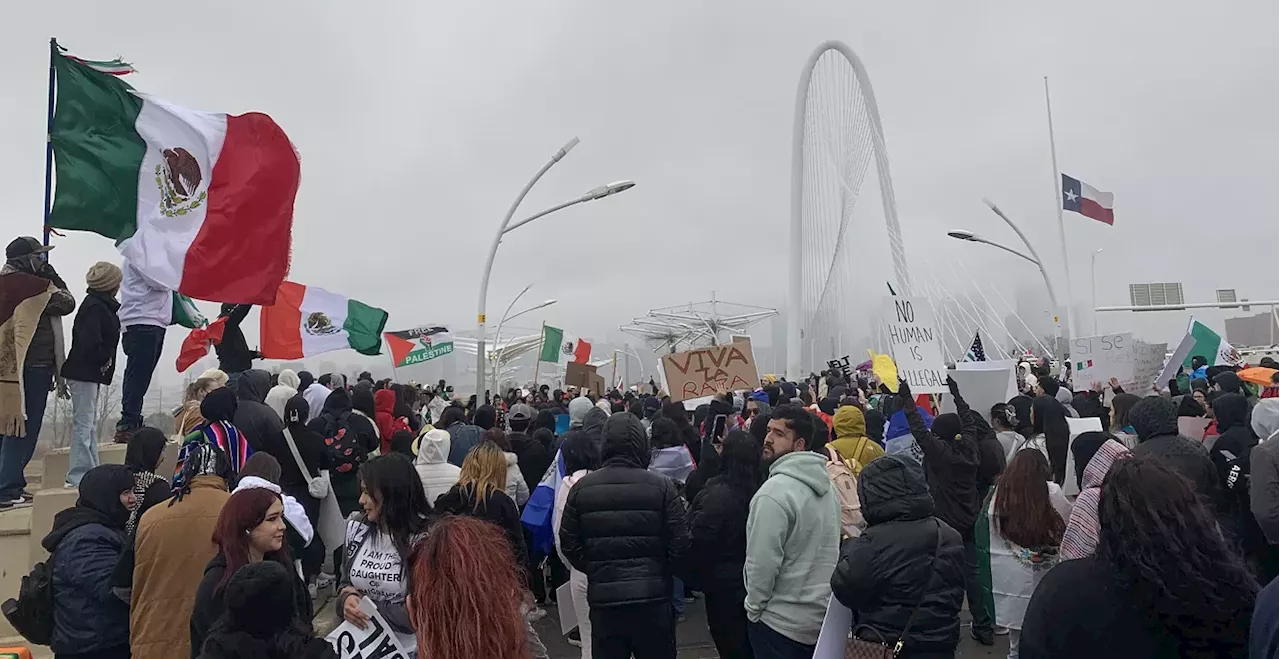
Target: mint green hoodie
793,543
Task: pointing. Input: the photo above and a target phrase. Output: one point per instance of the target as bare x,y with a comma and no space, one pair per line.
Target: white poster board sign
1175,361
568,614
1148,360
376,640
1100,358
916,346
981,388
834,635
1076,427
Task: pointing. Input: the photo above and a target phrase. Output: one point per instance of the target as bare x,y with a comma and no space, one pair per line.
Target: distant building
1258,330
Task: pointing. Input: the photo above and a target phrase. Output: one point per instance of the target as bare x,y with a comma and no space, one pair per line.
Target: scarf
1081,537
142,481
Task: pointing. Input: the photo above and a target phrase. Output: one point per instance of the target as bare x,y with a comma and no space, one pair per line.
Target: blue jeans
16,452
677,596
768,644
84,429
142,345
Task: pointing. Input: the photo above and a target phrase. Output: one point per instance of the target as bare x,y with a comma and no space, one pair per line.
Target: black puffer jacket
718,532
259,423
623,526
95,338
890,569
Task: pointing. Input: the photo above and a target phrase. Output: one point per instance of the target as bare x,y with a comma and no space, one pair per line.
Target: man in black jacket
234,355
91,363
255,419
1155,420
625,528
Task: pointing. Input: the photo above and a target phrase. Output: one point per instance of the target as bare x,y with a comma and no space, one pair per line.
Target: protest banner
417,345
1100,358
841,365
984,386
913,340
375,641
1148,358
583,376
710,370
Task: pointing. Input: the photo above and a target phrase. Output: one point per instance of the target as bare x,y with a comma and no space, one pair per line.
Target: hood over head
893,487
1229,382
1101,462
875,424
1266,418
1231,410
253,385
593,423
578,408
1153,416
1189,406
1063,396
849,422
259,598
485,417
219,405
145,449
305,379
362,400
289,379
296,411
337,402
433,447
99,503
384,401
625,442
1084,447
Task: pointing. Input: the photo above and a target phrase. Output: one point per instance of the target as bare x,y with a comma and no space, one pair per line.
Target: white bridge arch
837,136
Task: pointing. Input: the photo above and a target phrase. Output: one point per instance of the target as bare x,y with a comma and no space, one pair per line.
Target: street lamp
1093,286
506,226
497,336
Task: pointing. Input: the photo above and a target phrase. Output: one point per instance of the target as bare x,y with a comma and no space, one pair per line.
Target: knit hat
103,276
1153,416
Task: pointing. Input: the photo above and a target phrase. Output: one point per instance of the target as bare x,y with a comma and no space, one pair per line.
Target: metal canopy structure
711,322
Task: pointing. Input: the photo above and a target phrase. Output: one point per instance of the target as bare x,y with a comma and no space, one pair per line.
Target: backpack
32,613
342,441
841,472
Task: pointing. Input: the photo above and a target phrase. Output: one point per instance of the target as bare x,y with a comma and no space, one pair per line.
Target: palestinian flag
418,345
22,299
307,321
1206,343
199,202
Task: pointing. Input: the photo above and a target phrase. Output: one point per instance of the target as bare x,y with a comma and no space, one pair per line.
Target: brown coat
173,546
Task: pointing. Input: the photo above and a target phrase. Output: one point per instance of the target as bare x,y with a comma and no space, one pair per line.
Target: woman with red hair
465,594
250,529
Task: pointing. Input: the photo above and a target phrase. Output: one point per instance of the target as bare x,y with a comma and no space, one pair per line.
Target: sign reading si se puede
710,370
1100,358
913,340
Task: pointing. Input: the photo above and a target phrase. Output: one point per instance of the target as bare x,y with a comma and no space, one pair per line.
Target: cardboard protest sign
375,641
1100,358
913,339
1148,358
417,345
579,375
710,370
841,365
982,388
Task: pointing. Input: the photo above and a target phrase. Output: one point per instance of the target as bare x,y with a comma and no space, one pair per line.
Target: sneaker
537,614
123,435
680,617
985,639
575,638
311,590
27,497
6,505
1002,631
68,486
324,581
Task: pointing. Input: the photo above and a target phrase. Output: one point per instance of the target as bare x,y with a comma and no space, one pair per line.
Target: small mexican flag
185,313
199,202
307,321
1215,350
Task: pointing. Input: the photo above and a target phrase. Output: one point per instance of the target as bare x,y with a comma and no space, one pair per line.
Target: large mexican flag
307,321
1208,344
198,202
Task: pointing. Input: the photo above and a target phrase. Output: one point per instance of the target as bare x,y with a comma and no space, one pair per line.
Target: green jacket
793,543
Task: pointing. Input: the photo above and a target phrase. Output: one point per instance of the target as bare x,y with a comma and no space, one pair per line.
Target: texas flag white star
1071,195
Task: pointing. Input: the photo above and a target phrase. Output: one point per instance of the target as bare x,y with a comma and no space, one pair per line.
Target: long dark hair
740,463
1168,554
1050,418
393,481
451,415
1120,406
1025,516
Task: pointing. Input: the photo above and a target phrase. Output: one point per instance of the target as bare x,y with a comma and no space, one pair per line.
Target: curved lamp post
969,236
497,336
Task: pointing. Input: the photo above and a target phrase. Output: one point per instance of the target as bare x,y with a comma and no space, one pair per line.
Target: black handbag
858,648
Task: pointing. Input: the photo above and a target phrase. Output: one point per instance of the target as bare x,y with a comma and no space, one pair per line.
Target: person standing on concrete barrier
145,311
29,299
91,363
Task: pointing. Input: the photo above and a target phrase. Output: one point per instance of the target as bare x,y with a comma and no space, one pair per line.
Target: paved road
694,642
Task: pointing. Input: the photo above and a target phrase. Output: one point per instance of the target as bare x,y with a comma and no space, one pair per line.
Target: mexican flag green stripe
97,152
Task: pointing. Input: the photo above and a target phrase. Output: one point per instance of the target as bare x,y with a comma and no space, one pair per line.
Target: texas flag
1087,200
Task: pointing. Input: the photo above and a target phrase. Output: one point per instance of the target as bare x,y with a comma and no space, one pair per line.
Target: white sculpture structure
837,134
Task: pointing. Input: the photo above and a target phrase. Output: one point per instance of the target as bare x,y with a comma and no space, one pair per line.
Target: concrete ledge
48,502
57,462
14,556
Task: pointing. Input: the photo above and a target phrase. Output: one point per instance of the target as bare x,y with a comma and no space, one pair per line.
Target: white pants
1014,635
84,431
578,588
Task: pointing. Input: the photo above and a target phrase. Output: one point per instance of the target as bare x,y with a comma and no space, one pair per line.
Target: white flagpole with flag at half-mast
1062,227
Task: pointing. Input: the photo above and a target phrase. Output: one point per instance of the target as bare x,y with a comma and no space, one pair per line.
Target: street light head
961,234
990,204
610,189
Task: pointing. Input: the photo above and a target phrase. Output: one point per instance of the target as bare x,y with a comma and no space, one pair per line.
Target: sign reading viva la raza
710,370
913,338
417,345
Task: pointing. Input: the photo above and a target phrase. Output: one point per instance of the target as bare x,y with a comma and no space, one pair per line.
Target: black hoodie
234,355
885,573
261,619
255,419
624,526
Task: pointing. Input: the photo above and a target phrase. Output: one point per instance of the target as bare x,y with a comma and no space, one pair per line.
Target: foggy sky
418,123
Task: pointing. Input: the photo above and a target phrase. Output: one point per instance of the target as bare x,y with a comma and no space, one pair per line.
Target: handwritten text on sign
711,370
913,338
1100,358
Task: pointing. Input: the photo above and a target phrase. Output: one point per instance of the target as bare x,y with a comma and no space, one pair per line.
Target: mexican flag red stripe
199,202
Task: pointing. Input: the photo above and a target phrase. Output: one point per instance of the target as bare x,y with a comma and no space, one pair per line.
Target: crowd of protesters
463,518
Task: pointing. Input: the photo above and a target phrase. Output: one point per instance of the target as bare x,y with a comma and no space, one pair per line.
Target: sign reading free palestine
417,345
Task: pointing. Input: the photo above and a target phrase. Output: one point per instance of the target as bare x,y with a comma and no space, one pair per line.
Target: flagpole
48,142
542,338
1062,227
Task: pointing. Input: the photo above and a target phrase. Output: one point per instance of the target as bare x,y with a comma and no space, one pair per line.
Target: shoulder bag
317,487
857,648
